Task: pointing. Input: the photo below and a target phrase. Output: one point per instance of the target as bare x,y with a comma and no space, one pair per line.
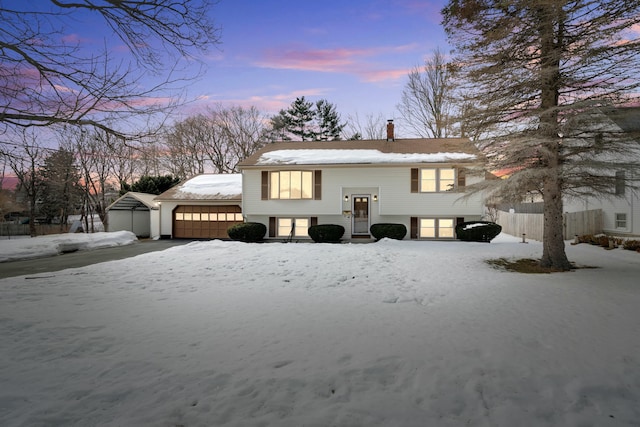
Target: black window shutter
265,185
414,227
317,183
414,180
462,179
272,226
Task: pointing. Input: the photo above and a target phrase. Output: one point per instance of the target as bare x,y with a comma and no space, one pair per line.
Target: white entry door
360,215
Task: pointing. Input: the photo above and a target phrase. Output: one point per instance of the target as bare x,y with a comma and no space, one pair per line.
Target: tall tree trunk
553,252
551,44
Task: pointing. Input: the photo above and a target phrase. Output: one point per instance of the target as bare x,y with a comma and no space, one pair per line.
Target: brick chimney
390,136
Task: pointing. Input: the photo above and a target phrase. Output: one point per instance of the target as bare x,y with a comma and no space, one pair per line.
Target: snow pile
395,333
334,156
42,246
212,184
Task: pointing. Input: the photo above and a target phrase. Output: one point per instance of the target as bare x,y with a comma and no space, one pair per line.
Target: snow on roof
207,187
335,156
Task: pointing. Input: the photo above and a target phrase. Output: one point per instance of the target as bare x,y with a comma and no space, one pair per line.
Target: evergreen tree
61,190
307,121
538,72
299,119
329,126
152,184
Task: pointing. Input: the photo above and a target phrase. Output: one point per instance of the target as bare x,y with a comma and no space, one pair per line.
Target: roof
365,152
206,187
627,118
133,201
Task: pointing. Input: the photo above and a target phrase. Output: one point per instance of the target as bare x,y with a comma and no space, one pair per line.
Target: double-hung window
436,228
436,180
621,220
296,227
291,184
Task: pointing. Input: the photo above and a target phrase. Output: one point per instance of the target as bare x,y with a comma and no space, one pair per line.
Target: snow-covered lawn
385,334
25,247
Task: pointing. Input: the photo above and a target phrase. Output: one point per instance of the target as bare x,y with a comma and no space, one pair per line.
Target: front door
360,215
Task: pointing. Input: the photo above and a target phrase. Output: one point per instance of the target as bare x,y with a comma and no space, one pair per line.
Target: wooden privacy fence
531,224
8,230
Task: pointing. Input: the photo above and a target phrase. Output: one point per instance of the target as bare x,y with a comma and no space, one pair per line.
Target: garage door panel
205,222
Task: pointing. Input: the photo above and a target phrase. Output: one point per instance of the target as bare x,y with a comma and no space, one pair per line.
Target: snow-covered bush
477,231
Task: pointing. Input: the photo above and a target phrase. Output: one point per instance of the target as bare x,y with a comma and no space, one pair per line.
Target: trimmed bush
391,231
247,232
477,231
326,233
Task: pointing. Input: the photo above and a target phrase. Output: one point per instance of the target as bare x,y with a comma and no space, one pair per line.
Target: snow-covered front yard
383,334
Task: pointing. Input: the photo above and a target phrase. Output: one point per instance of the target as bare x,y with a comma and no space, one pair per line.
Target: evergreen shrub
248,232
391,231
326,233
477,231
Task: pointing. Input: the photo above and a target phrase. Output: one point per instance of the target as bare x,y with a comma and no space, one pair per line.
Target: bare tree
244,129
25,157
215,141
51,79
426,103
539,72
371,127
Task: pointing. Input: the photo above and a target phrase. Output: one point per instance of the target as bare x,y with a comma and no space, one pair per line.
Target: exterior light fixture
346,198
375,197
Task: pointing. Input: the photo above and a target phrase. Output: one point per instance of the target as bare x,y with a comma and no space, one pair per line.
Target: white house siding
610,207
391,185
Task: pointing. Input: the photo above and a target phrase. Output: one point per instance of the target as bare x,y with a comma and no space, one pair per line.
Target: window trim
621,221
295,234
314,189
457,182
436,227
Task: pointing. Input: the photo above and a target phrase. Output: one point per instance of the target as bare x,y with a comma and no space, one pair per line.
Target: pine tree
299,119
329,126
61,189
537,73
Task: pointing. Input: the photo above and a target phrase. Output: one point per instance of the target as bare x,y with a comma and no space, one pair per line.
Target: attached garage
202,207
205,222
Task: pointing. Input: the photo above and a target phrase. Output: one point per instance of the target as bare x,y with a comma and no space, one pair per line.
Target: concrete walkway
81,258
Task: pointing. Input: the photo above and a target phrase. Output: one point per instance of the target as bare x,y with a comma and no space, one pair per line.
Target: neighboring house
620,213
289,186
202,207
135,212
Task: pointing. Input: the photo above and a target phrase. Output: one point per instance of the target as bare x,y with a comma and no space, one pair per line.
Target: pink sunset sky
356,53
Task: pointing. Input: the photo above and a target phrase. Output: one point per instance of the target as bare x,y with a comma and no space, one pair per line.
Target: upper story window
292,185
435,180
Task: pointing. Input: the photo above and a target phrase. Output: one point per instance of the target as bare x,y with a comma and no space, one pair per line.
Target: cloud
337,60
268,103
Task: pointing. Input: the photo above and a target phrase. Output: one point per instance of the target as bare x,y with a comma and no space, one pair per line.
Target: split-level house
289,186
